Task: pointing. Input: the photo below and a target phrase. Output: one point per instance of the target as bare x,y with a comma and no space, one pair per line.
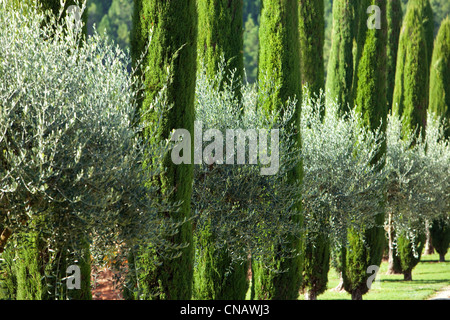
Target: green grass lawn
429,276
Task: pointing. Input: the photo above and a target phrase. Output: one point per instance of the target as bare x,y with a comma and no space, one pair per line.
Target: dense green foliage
440,76
221,36
366,248
410,99
116,22
279,61
86,174
75,112
172,60
410,102
340,64
31,260
394,15
216,276
312,33
440,236
427,21
440,106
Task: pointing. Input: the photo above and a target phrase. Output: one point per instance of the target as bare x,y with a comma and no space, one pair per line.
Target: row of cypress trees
360,71
380,70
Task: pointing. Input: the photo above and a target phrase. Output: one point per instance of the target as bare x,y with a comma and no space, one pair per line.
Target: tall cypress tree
440,106
411,94
394,15
440,76
365,247
279,63
172,61
216,276
427,21
312,37
312,34
340,65
410,98
222,35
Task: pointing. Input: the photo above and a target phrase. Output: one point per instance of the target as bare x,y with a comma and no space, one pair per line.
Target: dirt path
105,286
442,294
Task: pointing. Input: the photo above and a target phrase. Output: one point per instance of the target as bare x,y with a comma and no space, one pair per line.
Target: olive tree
417,186
249,212
71,155
342,185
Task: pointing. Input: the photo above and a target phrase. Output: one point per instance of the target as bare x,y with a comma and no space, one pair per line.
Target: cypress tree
173,48
312,37
440,76
279,63
394,16
440,236
340,65
216,276
316,265
410,98
440,107
340,71
410,101
222,35
427,21
365,247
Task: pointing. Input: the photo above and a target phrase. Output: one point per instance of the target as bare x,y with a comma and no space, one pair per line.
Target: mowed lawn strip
429,277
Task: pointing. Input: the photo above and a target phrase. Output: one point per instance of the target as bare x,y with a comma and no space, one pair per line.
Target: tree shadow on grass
418,281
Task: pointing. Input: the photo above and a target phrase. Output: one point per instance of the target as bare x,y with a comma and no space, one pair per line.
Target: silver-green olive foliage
71,154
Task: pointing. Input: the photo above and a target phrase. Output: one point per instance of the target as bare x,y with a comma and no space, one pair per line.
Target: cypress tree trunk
216,276
279,62
366,246
312,37
340,65
411,94
173,48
